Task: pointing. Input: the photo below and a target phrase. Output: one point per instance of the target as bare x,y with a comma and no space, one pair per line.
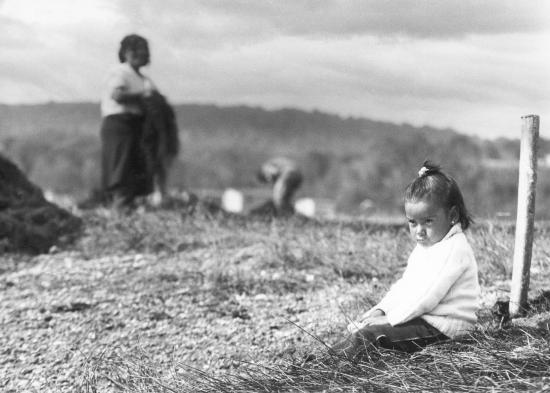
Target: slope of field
164,301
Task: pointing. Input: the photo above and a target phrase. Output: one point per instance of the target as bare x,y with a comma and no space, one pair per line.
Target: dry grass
512,360
170,302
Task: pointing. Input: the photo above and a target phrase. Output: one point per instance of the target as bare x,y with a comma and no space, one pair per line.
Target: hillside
345,159
83,118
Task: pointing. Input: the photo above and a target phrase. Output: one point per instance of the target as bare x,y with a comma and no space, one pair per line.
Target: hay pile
28,222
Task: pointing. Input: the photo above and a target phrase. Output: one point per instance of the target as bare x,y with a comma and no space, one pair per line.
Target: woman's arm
122,95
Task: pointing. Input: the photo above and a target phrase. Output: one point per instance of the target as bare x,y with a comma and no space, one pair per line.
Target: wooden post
525,215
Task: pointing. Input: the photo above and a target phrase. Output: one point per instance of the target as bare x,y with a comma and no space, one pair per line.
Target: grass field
164,301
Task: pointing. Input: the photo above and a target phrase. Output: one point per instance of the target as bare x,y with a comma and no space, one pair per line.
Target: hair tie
422,171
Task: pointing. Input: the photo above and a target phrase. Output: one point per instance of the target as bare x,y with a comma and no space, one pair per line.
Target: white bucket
305,207
232,201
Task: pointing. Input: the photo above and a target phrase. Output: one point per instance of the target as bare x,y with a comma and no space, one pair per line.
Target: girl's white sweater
440,285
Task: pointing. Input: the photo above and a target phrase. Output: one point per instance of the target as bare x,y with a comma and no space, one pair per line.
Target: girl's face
428,221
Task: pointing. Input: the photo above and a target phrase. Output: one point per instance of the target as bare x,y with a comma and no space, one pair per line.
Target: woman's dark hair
433,183
131,42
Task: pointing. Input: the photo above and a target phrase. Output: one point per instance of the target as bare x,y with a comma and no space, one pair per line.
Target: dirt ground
209,293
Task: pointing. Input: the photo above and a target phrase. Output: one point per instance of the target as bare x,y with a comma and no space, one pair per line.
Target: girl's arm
429,284
392,297
379,310
377,314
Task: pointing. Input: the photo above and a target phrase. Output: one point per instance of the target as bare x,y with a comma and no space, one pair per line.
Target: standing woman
124,171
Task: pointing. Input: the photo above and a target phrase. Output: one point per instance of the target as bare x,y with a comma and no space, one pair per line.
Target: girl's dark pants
124,171
410,336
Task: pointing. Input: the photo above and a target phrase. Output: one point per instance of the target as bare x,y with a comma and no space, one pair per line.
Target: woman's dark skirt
124,170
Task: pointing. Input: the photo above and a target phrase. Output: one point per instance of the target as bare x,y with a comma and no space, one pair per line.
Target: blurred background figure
286,178
125,175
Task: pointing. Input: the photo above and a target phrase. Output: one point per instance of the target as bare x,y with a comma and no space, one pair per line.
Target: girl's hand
371,314
375,313
380,320
376,317
355,326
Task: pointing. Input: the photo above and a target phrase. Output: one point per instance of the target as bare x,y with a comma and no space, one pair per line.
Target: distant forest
346,160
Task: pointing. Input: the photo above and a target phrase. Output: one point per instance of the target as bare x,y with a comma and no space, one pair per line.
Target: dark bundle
160,137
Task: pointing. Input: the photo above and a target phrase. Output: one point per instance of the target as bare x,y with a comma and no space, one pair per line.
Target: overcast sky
475,66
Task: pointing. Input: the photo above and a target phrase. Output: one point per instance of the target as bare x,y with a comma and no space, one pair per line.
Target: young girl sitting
437,297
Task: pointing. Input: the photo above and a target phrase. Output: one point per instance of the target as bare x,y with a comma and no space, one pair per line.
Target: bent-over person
286,178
